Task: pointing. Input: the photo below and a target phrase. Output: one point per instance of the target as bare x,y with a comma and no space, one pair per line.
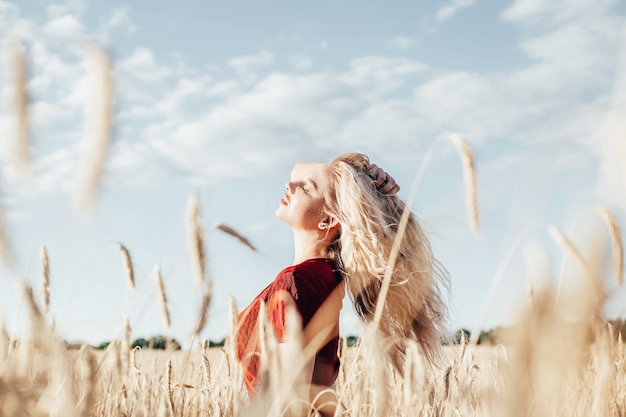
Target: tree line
489,337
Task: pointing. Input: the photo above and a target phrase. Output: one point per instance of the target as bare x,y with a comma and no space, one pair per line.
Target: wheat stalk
133,357
569,248
204,309
45,279
98,126
469,177
531,293
616,242
125,350
5,341
89,383
127,332
207,370
232,232
38,330
195,235
128,266
234,323
162,297
471,201
20,101
5,252
263,339
170,390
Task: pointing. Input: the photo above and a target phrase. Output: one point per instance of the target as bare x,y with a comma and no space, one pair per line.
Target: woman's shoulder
316,269
318,273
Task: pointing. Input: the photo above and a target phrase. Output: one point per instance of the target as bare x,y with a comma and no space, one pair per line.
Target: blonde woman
344,216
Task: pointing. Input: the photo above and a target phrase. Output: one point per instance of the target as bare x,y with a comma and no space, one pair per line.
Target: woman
344,217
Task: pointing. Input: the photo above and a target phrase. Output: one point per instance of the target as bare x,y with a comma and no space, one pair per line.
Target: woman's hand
382,180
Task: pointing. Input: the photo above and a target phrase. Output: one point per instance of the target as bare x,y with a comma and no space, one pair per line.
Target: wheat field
546,366
549,364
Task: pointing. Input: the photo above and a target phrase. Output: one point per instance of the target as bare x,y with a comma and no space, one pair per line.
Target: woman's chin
279,214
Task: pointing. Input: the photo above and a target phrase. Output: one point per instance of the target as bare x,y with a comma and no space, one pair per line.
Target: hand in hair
382,180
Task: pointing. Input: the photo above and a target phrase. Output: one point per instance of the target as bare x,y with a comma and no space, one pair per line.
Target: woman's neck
308,245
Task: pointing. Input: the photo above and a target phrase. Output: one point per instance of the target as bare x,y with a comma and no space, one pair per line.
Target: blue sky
221,99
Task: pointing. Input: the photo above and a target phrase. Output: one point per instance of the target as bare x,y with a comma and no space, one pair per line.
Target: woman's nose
289,187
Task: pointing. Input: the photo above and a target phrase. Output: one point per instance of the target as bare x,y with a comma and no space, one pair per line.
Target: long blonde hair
414,307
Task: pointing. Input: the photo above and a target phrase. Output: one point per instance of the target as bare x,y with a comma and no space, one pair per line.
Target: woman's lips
284,201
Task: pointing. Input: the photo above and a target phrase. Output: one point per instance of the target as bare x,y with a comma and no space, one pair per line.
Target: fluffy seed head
195,235
232,232
45,279
21,154
204,310
469,176
128,266
162,297
98,126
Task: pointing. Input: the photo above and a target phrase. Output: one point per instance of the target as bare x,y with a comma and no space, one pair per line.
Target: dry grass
45,279
195,239
469,177
5,251
232,232
548,366
127,263
21,152
204,309
98,126
162,296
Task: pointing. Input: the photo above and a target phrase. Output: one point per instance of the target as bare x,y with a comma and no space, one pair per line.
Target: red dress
309,284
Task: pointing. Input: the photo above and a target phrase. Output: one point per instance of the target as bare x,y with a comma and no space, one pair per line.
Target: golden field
547,367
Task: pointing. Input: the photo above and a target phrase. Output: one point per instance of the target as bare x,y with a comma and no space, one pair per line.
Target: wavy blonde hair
368,219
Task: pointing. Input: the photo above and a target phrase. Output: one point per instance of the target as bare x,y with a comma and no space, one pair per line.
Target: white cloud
572,48
225,88
277,119
609,141
141,81
402,43
534,11
7,8
450,9
141,66
300,62
126,156
56,169
184,123
14,26
369,106
256,129
73,7
45,113
52,174
65,28
377,75
250,63
185,90
119,17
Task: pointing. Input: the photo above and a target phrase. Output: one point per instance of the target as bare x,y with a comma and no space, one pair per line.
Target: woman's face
302,205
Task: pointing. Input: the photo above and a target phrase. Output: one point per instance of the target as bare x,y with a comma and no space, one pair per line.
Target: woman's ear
327,223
